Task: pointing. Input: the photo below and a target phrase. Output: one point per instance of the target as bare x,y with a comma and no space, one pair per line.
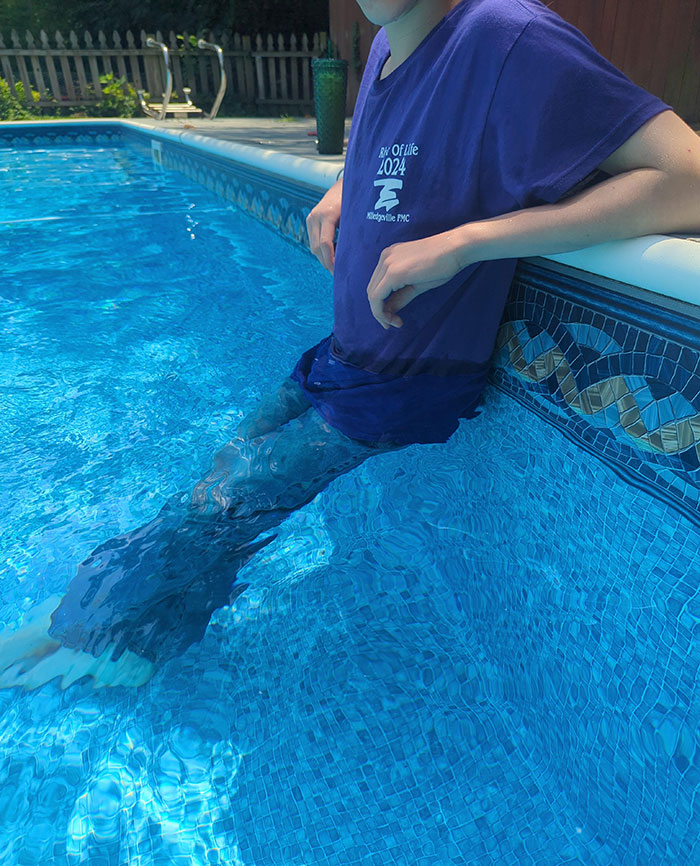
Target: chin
382,12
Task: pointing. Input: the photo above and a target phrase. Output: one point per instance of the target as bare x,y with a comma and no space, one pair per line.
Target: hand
408,269
321,224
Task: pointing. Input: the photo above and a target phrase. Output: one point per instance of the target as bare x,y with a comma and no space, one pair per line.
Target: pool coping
665,264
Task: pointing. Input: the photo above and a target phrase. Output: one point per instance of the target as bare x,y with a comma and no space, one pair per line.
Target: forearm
636,203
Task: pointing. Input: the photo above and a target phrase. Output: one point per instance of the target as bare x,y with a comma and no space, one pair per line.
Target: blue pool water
458,654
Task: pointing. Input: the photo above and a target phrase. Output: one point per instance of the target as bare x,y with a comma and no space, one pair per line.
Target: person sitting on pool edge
484,131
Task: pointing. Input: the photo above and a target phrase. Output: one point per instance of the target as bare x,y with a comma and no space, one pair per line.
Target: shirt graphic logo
387,197
394,160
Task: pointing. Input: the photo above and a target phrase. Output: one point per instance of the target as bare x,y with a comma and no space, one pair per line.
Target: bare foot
30,658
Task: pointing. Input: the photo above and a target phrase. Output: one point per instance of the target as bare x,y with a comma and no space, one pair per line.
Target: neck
407,32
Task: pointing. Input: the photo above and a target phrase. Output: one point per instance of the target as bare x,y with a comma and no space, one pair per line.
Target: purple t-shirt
503,106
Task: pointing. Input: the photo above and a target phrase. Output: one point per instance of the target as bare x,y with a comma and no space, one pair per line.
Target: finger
376,304
377,299
399,299
394,320
374,281
312,230
327,235
327,257
314,226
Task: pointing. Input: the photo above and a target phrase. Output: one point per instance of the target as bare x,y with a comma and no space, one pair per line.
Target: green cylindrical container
330,89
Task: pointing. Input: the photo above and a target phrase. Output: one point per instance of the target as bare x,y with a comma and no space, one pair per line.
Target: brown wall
353,34
656,43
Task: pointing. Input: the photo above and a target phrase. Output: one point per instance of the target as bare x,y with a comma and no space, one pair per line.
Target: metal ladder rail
202,44
164,107
159,115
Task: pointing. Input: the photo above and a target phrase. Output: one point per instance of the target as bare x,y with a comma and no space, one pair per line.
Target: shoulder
497,25
496,32
480,34
499,20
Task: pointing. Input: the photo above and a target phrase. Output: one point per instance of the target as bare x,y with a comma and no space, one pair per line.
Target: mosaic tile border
618,375
17,136
269,198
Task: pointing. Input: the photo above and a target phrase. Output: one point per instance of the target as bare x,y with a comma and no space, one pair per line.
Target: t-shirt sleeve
558,110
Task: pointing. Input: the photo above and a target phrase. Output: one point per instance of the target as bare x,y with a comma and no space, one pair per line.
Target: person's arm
321,224
655,189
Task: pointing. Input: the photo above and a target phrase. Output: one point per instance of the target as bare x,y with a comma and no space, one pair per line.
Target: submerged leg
149,594
274,410
30,658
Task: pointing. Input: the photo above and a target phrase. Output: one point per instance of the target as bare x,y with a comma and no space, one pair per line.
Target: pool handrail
203,44
151,112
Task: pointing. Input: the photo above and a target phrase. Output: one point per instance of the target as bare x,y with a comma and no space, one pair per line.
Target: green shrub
118,99
14,107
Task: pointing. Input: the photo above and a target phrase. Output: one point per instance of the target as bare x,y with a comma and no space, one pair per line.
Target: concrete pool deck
294,136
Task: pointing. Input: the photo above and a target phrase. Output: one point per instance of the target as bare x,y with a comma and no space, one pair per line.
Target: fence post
36,65
50,66
151,85
133,54
305,75
294,67
118,56
92,63
248,70
259,68
271,68
22,66
65,67
7,70
104,53
80,69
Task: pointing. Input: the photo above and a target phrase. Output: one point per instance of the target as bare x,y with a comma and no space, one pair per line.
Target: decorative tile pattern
267,197
620,378
27,136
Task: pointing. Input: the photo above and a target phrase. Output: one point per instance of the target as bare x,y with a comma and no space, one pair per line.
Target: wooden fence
266,73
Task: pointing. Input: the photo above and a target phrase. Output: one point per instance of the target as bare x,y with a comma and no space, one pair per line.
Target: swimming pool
483,652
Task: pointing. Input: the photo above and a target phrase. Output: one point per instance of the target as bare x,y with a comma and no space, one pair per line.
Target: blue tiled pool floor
403,683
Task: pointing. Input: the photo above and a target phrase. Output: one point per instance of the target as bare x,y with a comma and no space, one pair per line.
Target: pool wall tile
637,406
269,198
16,136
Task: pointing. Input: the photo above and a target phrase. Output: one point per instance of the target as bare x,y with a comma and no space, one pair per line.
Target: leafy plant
118,99
186,44
15,107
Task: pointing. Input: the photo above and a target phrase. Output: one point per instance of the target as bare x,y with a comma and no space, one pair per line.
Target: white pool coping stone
668,266
664,264
320,175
